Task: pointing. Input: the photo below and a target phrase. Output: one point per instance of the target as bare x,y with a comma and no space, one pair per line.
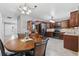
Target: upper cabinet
65,24
50,25
74,19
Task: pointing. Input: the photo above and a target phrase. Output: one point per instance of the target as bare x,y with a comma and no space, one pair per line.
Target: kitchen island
71,42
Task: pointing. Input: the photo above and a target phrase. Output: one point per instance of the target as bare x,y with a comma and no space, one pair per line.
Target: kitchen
58,22
66,30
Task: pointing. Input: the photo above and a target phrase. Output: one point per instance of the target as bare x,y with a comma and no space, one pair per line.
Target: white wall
1,28
22,23
10,26
2,22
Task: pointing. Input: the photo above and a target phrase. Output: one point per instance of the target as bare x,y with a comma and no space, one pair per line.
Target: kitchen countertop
50,30
72,34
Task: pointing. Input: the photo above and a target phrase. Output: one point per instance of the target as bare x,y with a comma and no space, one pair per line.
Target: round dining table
19,45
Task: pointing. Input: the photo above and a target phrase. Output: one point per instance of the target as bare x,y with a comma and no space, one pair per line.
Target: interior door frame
4,26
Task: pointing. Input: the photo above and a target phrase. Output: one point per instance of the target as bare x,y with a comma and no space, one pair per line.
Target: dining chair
40,48
21,36
3,50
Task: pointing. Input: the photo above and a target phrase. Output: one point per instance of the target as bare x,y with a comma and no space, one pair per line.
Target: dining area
24,45
33,32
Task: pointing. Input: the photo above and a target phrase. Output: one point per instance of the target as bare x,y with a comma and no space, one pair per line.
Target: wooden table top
17,45
36,37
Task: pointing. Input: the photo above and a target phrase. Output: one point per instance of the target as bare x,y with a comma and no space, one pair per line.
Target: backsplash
74,30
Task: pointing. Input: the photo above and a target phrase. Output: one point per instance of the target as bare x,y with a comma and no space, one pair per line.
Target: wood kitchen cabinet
71,42
49,34
38,28
29,25
61,35
50,25
65,24
74,19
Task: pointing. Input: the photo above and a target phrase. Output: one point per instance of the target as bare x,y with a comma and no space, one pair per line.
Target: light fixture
22,12
24,9
52,20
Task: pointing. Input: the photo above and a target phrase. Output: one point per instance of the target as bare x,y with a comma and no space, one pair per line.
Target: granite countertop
72,34
50,30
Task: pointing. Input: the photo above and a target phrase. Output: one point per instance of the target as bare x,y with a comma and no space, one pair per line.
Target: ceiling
59,11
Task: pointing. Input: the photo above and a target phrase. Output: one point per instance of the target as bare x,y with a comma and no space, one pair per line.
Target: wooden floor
55,48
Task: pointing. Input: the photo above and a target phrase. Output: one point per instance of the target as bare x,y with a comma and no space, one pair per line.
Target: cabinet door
38,28
74,43
72,19
77,19
71,42
65,24
50,25
66,41
49,34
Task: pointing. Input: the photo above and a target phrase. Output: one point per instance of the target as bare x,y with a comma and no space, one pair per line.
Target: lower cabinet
61,35
71,42
49,34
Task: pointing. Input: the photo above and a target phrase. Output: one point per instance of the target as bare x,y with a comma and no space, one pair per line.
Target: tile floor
55,48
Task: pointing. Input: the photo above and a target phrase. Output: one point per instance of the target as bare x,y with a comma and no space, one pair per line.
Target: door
9,29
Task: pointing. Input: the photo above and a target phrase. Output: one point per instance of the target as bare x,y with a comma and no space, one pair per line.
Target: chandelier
24,9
